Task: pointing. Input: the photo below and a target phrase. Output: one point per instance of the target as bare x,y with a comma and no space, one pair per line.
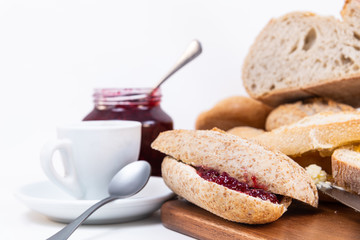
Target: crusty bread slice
233,112
241,159
286,114
322,132
229,204
302,54
345,164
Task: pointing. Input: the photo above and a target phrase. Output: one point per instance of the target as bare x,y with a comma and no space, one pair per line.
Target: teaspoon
127,182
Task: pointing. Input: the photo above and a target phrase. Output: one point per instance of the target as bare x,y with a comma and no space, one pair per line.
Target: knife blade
347,198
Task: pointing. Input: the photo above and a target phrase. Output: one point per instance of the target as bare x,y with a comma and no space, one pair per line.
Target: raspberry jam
125,104
225,180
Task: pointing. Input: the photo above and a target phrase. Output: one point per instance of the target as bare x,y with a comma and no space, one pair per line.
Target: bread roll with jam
231,177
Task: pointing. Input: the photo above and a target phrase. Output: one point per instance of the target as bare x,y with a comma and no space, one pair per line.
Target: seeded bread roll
346,169
303,55
242,159
245,132
228,204
292,112
233,112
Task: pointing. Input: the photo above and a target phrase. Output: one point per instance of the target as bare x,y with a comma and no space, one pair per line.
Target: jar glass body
124,104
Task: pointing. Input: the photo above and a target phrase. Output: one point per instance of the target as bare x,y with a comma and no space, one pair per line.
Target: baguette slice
321,132
241,159
231,205
303,55
345,164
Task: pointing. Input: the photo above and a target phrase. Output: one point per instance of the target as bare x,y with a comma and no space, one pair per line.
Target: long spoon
127,182
192,51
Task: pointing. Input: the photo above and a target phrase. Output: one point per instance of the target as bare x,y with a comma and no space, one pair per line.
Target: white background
54,53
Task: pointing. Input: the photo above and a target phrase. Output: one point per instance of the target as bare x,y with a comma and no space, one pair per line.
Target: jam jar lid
126,96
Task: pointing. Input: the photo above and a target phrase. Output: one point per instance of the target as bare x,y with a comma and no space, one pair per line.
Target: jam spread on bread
225,180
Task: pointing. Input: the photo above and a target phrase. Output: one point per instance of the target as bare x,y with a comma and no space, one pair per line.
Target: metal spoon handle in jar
193,50
70,228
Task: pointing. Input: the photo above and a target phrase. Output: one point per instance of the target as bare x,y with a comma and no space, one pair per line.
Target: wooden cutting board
330,221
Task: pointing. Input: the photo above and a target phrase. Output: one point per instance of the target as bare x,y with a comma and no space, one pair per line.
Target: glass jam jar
126,104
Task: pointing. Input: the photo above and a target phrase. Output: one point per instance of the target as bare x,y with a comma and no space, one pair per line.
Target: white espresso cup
92,152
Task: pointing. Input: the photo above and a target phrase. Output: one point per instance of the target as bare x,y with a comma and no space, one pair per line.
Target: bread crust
323,132
233,112
342,90
219,200
292,112
241,159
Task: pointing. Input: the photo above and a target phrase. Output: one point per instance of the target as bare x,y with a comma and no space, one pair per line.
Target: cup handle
69,182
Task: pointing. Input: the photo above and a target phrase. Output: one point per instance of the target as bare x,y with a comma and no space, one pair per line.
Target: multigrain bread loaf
286,114
243,161
322,132
302,55
245,132
346,169
233,112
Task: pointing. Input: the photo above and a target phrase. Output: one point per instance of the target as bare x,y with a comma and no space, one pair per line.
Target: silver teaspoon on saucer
127,182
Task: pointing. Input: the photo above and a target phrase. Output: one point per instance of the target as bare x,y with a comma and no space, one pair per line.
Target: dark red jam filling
225,180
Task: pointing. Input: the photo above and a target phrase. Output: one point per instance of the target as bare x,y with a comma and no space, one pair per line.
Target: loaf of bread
322,132
301,55
286,114
239,162
346,169
233,112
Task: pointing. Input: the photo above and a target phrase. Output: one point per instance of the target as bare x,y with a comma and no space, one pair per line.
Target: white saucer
47,199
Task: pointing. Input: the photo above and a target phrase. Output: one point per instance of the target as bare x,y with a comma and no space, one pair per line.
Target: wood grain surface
329,221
